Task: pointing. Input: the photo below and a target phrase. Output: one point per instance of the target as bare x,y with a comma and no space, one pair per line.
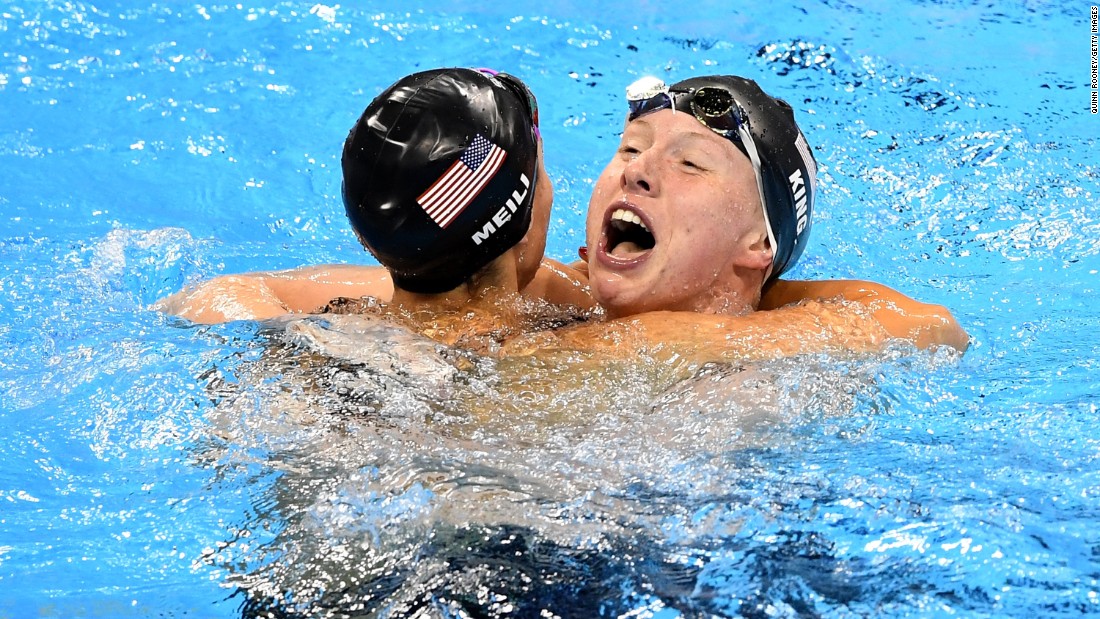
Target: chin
618,295
621,308
613,305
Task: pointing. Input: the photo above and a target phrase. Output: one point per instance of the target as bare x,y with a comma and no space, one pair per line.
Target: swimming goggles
714,107
524,93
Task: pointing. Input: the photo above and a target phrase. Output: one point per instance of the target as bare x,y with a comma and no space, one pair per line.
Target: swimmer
458,245
709,195
708,200
444,184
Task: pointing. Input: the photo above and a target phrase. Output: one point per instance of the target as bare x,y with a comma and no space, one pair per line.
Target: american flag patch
459,185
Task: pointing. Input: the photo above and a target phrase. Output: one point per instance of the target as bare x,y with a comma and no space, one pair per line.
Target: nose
639,176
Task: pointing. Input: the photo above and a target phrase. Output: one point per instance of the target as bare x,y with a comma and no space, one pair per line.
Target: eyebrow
636,122
690,136
699,143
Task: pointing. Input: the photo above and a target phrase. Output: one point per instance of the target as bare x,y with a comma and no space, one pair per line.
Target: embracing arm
561,284
806,327
268,294
255,296
924,324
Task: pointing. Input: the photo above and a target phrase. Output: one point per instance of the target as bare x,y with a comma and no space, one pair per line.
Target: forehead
677,129
676,125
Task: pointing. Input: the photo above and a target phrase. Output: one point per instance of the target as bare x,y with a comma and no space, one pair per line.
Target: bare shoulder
782,292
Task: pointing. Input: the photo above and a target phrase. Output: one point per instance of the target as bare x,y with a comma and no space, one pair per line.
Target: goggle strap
754,157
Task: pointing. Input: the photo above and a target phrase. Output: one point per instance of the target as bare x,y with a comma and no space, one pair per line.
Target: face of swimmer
533,245
675,222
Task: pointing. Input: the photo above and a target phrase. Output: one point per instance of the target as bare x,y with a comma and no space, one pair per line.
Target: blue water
154,468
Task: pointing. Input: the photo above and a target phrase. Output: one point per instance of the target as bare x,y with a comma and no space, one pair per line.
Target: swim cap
762,127
439,174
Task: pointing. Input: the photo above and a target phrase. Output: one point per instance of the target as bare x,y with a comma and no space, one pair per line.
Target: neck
465,297
742,300
478,314
496,282
737,297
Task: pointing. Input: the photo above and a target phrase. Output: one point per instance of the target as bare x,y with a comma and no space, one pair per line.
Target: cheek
702,223
605,184
601,194
704,244
593,210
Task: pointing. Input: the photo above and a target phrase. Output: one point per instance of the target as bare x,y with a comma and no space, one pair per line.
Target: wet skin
675,222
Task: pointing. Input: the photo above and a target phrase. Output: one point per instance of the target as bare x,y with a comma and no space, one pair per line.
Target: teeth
628,217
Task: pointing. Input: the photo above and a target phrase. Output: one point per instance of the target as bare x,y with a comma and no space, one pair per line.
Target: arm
561,285
809,326
925,324
255,296
268,294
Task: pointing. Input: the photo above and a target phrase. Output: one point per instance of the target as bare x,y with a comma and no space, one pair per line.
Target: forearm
807,327
924,324
561,285
305,289
224,299
261,295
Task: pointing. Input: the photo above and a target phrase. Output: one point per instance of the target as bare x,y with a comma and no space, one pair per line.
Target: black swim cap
786,172
439,174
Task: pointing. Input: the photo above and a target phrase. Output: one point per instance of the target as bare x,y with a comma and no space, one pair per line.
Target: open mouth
627,235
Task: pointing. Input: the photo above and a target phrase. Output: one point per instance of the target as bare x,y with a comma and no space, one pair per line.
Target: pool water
155,468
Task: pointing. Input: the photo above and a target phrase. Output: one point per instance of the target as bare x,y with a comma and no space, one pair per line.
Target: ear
756,253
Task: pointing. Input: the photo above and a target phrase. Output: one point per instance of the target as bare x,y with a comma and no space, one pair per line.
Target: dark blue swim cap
786,172
440,173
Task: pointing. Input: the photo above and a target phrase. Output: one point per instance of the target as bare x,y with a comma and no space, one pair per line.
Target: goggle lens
714,107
